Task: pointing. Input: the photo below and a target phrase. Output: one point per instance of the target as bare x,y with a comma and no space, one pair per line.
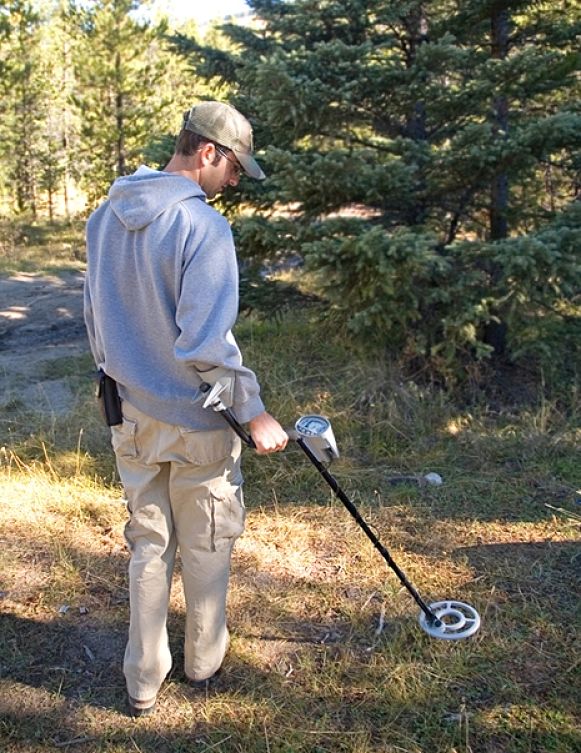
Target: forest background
410,269
423,156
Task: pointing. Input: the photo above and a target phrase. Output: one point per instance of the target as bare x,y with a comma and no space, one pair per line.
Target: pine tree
59,123
88,92
527,75
118,72
22,100
437,121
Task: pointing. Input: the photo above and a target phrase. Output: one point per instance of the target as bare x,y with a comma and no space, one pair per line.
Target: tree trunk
119,118
499,189
67,88
496,331
417,24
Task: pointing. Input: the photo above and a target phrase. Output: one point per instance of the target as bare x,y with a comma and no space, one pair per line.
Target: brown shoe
141,708
203,684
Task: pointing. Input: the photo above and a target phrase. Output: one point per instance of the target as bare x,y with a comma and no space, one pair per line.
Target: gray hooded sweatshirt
161,298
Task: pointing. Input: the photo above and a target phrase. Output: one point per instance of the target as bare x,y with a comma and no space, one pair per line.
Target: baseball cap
224,125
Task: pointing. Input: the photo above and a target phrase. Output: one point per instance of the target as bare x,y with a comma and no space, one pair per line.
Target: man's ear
207,154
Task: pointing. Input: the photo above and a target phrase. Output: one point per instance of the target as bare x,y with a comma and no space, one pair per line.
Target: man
161,298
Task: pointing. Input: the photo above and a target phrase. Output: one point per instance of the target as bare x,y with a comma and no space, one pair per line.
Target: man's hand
268,434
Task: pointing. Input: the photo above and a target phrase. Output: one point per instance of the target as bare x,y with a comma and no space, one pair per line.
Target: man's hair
188,144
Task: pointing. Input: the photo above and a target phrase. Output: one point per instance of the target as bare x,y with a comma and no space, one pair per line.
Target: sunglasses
236,166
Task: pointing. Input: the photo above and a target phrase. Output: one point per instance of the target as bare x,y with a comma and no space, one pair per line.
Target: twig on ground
74,741
571,515
215,745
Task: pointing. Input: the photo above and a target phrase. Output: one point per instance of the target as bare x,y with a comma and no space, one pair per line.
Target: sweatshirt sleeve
89,318
207,308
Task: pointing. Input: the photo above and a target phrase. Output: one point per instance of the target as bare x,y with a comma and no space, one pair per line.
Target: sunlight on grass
326,649
327,655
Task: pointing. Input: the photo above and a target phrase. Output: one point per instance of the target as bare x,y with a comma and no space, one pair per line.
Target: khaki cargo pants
184,489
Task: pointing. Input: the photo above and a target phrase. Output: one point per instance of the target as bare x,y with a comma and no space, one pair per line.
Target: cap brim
250,165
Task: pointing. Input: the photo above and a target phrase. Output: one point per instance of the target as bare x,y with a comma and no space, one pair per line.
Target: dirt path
41,321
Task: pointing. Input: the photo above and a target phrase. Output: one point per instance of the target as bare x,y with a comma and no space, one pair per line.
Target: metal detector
447,620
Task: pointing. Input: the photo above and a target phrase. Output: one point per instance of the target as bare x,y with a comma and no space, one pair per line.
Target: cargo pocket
123,439
207,447
228,515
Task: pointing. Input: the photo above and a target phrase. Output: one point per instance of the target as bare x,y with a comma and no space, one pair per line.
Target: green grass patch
41,247
79,368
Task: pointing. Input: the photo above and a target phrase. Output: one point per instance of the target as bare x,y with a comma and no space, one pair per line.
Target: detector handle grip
213,401
242,433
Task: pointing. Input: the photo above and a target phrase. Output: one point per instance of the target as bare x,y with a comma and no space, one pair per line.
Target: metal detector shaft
244,436
231,419
219,407
366,529
448,620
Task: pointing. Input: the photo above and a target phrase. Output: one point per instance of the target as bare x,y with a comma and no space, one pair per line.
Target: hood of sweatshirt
139,198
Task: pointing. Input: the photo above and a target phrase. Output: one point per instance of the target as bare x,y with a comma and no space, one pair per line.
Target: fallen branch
74,741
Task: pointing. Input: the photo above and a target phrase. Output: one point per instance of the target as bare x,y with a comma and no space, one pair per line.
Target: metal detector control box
317,433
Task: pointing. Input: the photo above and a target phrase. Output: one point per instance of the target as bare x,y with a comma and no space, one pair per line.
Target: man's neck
186,166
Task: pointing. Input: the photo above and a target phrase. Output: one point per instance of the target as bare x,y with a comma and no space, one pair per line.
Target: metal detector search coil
455,620
448,620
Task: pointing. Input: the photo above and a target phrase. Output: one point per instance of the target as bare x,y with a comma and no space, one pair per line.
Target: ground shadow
77,658
39,310
531,573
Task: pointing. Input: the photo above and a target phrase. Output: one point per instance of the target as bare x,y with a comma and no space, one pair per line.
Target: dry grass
327,655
